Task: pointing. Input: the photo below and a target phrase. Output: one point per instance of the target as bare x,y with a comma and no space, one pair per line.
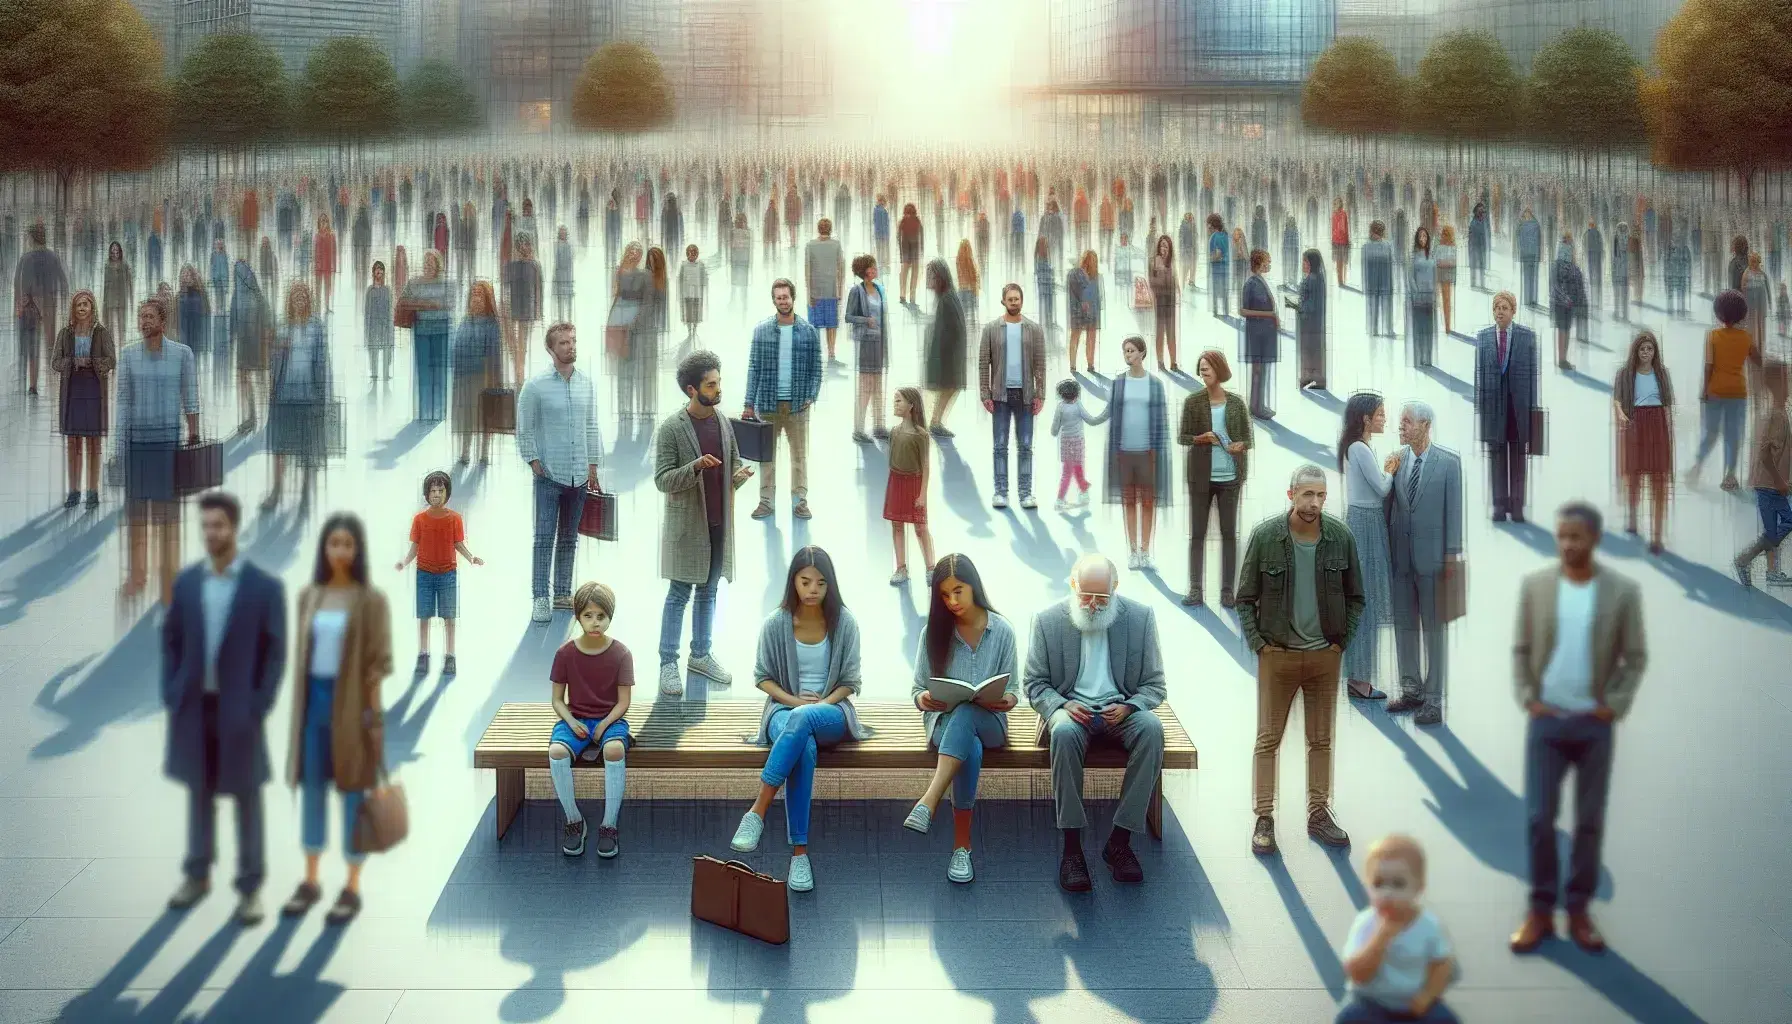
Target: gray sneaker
919,820
671,680
248,910
711,669
573,845
609,841
542,611
191,891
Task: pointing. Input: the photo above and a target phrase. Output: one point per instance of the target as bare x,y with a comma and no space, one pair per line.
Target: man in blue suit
1505,396
223,650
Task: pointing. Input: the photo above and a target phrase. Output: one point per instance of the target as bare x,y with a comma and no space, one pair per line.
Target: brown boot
1537,926
1585,933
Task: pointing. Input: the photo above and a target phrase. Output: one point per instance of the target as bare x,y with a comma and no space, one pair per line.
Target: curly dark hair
694,367
862,263
1731,308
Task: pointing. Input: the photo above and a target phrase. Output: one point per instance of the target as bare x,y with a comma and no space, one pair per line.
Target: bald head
1094,574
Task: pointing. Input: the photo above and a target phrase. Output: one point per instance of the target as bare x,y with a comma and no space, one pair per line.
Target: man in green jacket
1300,596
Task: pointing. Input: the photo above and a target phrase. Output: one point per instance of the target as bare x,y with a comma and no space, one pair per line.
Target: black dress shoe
1402,704
1123,863
1073,873
1499,517
1430,714
1518,517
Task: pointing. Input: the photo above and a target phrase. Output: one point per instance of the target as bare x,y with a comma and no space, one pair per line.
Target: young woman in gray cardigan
808,666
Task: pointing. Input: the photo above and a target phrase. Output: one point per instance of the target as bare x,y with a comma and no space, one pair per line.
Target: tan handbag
739,899
384,819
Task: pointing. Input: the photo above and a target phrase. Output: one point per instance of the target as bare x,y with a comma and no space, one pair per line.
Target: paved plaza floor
1696,898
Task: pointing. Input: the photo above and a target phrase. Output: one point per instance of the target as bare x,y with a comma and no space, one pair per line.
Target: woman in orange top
1723,397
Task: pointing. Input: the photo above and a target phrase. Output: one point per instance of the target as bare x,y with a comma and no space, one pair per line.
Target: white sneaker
1082,497
999,501
671,680
959,870
1026,501
710,669
1132,560
802,879
746,837
543,610
1146,563
919,820
1060,505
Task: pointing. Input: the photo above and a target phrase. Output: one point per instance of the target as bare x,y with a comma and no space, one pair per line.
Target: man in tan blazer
1576,665
1011,382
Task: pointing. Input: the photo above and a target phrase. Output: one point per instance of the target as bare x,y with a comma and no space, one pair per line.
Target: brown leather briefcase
1452,591
739,899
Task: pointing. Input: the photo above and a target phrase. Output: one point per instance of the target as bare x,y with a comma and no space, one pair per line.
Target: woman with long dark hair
808,669
944,351
1366,483
1309,321
117,290
1643,404
964,640
1262,330
1161,274
342,652
1421,299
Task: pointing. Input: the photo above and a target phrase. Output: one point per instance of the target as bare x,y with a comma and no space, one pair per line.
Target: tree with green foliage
1720,95
438,101
1355,88
81,87
623,89
1584,91
349,91
231,91
1466,89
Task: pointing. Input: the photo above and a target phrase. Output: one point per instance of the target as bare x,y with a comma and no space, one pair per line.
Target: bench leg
510,797
1154,813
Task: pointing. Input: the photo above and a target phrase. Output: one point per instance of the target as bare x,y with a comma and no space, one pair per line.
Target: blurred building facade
1525,26
1400,25
292,27
524,57
1151,70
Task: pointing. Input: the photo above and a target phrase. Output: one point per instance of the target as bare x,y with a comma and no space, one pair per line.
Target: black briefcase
754,439
198,467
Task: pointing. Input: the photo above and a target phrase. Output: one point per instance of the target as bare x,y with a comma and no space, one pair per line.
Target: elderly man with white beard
1094,673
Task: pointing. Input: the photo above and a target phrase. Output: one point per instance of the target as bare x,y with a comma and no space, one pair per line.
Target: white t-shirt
812,667
1095,676
786,343
1568,678
1135,415
1224,468
1408,959
328,629
1011,350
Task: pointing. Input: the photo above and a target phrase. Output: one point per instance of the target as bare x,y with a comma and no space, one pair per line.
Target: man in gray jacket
1011,382
1094,672
1425,555
692,449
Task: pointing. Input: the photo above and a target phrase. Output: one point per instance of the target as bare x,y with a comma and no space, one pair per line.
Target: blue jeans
316,769
430,340
1219,294
797,735
703,618
1010,406
1527,276
1365,1011
1552,745
1723,414
963,733
557,510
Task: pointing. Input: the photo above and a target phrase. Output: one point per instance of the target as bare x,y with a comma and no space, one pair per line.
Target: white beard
1093,622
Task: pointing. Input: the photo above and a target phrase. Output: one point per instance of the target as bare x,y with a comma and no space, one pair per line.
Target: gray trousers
1415,613
1142,734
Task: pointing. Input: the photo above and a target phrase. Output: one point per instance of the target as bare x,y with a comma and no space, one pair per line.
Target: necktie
1502,351
1412,482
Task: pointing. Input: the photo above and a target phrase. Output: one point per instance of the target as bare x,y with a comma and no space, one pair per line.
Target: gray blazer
1620,646
1422,534
776,661
1055,656
684,535
992,361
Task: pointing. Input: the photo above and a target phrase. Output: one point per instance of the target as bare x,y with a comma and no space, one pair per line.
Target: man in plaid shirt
783,381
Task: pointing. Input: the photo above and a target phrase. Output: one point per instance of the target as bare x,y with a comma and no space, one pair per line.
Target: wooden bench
705,737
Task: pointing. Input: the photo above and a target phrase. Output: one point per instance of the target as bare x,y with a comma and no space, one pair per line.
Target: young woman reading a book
965,640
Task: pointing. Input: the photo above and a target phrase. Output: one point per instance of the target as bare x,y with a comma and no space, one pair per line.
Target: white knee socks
613,782
561,769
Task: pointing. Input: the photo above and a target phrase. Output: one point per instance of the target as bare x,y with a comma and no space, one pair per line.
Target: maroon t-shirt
709,442
592,680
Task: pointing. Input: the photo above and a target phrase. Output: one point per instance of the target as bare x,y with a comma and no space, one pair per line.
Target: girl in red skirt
905,494
1643,398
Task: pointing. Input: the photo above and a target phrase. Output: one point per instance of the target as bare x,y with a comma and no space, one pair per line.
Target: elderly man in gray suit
697,467
1425,553
1094,672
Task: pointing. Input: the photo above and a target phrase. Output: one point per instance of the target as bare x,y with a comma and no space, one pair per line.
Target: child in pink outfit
1067,427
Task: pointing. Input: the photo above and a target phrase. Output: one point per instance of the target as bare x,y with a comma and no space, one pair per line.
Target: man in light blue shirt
558,436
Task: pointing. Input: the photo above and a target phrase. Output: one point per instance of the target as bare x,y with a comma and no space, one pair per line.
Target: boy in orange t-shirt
436,534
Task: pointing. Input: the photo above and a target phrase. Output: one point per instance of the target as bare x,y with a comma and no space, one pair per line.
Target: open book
953,692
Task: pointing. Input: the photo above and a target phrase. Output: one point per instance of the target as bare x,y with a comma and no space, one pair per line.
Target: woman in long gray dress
944,350
627,309
1365,490
1309,321
1421,298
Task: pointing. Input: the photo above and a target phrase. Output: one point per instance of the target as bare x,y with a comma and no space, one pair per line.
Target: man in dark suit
1425,549
1505,395
223,649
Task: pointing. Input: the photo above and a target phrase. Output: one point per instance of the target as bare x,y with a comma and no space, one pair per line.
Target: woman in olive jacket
343,650
1214,480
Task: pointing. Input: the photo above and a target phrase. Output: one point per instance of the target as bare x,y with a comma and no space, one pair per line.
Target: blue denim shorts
1776,513
824,313
618,730
438,595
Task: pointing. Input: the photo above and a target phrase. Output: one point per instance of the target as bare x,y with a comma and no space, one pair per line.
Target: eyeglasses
1093,600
